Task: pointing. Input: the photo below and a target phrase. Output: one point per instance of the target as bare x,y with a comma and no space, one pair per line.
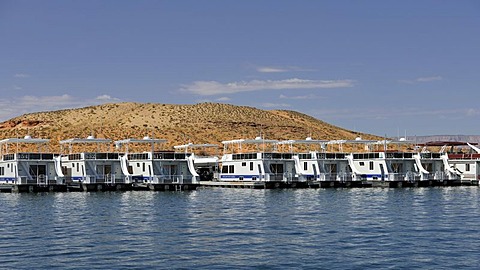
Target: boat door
332,171
38,173
105,171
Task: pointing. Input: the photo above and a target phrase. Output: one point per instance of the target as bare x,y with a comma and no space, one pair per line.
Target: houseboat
157,170
402,166
257,161
437,163
316,166
27,171
461,160
361,166
89,165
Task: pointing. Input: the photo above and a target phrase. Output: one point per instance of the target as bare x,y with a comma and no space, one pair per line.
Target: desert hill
179,124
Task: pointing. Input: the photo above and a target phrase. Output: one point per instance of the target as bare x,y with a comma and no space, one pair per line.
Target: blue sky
381,67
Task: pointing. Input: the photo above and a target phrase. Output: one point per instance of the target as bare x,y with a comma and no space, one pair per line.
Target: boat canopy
144,140
306,141
187,146
191,145
257,141
88,140
26,140
446,143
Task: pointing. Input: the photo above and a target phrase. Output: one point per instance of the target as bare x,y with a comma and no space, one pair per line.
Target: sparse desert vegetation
179,124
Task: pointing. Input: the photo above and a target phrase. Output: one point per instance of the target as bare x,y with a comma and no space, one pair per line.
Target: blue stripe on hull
7,179
371,176
238,176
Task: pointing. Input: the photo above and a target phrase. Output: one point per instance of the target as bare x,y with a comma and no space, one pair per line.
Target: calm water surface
427,228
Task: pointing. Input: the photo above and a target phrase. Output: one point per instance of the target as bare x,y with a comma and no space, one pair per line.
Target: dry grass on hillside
179,124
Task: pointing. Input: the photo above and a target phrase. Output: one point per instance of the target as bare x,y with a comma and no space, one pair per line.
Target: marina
98,164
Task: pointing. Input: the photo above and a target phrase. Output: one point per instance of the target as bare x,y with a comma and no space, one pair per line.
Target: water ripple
426,228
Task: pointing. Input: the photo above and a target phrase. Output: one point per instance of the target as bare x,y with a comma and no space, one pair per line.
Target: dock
119,187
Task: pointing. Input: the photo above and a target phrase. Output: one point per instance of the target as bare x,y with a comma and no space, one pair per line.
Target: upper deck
14,149
28,156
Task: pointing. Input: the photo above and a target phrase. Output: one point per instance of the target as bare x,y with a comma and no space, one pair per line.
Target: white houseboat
461,160
89,164
437,162
157,170
308,166
257,160
26,170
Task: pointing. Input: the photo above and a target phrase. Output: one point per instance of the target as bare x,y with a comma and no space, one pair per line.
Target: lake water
428,228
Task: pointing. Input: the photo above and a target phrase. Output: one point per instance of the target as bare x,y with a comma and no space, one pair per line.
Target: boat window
225,169
2,171
362,163
251,166
371,165
244,164
305,164
467,167
231,169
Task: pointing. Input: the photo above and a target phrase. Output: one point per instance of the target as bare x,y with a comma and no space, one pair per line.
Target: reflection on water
228,228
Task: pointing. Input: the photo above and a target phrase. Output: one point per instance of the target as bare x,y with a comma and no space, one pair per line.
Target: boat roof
306,141
446,143
144,140
191,145
356,141
26,139
89,139
252,141
395,142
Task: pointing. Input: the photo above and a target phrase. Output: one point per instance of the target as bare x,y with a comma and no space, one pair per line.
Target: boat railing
92,156
331,155
101,179
463,156
89,179
430,155
438,175
274,177
408,176
28,156
168,179
40,180
110,178
344,177
289,177
399,155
